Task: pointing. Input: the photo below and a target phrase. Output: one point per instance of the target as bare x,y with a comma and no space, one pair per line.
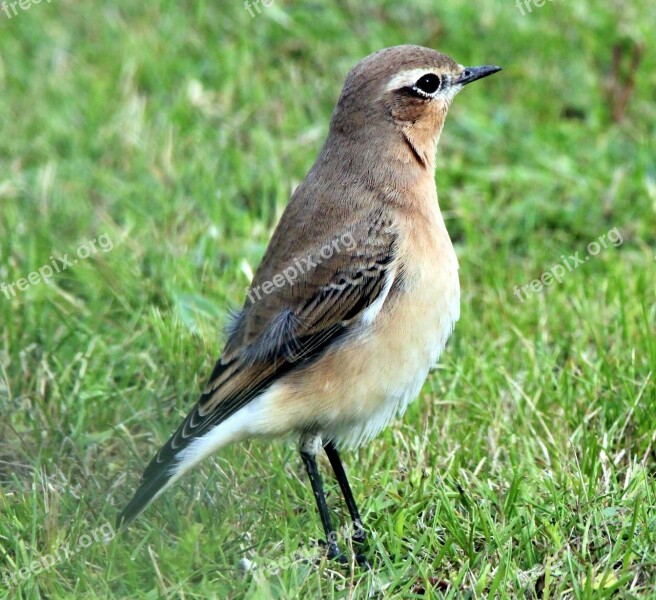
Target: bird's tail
184,451
148,490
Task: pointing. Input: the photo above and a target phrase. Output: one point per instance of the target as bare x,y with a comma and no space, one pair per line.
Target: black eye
428,84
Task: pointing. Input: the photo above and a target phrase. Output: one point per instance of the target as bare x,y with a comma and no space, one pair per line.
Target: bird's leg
359,535
309,448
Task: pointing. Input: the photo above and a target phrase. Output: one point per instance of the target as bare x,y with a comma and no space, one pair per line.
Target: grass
526,467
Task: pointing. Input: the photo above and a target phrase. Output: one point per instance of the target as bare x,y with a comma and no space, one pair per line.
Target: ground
157,143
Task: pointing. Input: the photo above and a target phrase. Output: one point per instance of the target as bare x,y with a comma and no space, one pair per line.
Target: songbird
357,292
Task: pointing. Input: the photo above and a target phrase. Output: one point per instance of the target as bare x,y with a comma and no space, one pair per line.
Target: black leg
359,535
315,480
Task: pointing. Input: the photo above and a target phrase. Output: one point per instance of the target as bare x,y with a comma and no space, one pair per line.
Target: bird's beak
473,73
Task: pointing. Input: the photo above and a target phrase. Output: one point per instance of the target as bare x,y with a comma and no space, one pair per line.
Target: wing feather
295,336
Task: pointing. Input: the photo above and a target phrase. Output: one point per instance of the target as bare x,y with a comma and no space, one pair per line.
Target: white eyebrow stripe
408,78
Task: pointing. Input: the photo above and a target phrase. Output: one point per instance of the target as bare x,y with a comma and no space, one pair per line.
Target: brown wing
291,326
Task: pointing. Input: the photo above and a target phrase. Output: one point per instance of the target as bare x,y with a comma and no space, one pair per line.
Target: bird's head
398,98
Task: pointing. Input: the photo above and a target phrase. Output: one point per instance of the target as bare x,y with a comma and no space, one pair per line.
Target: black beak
473,73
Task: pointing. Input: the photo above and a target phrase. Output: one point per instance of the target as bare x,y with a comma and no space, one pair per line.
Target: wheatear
333,354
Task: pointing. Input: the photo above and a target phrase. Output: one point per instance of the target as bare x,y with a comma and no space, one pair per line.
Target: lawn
147,150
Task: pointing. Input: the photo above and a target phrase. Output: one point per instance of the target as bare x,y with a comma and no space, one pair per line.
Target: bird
355,296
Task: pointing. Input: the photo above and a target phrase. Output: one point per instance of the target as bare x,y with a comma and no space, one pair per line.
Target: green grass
526,467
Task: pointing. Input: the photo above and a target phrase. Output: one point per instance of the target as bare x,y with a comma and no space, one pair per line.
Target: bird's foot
336,555
363,561
359,539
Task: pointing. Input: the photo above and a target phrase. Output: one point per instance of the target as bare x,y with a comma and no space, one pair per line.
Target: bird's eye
427,84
